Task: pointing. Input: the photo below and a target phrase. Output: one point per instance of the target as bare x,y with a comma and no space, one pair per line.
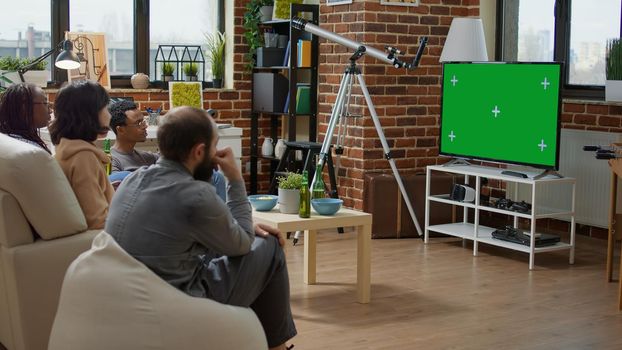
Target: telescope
390,58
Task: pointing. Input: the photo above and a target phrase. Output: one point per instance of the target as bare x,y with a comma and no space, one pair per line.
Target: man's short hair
117,111
181,129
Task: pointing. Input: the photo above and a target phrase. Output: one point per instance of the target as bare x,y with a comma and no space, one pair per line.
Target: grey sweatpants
258,280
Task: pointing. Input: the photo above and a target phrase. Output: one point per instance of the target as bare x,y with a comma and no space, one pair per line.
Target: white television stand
477,233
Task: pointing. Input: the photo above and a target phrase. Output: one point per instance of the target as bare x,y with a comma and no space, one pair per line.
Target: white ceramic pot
289,201
266,147
613,90
139,81
266,13
279,149
37,77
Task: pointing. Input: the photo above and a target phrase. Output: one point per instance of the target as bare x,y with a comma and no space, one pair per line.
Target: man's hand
265,230
227,163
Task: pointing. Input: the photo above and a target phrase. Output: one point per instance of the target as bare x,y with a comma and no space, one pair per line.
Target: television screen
502,112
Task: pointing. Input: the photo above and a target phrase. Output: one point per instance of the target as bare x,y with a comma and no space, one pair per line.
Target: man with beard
168,217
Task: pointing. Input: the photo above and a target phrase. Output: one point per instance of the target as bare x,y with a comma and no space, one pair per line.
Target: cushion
14,229
36,180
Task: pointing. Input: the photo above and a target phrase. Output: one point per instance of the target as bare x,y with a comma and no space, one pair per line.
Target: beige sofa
34,197
110,300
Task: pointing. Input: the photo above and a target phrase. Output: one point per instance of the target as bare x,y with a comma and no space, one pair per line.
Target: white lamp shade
465,41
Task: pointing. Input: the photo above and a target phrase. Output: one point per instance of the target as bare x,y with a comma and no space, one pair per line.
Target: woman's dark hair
76,109
182,128
17,113
117,111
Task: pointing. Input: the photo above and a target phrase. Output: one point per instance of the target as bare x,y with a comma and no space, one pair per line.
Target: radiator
593,179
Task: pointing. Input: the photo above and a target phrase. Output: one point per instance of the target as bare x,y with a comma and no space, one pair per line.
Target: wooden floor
438,296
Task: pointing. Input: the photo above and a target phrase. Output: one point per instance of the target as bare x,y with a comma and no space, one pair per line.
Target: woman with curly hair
24,109
81,117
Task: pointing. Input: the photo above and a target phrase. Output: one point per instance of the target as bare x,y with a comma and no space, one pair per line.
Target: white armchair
110,300
42,230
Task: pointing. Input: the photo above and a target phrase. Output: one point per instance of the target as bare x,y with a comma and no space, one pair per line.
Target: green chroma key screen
503,112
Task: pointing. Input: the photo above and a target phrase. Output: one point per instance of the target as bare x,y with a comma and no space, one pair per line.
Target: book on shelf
287,53
286,108
303,98
304,53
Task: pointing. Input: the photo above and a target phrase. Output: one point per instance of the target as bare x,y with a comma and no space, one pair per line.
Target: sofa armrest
14,229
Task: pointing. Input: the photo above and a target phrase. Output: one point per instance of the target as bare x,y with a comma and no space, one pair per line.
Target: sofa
109,300
42,230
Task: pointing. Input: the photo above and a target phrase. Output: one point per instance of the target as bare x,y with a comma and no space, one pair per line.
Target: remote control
514,173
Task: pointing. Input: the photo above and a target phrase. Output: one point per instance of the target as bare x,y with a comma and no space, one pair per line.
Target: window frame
561,49
60,23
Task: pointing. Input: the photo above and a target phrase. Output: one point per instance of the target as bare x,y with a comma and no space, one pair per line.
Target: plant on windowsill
190,71
252,35
613,85
216,56
289,192
36,74
167,71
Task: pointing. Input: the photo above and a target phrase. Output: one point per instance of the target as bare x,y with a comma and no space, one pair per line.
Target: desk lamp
66,59
465,41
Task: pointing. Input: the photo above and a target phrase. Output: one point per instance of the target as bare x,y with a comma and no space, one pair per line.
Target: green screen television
502,112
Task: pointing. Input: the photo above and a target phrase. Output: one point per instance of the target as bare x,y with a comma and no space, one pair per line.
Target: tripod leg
387,152
334,118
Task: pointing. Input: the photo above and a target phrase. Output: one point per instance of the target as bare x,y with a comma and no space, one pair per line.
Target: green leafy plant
186,94
252,34
39,66
291,181
167,68
10,63
216,53
191,69
614,59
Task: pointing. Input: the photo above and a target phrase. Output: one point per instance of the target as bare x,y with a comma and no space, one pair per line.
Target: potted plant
190,70
167,71
289,192
37,74
252,34
216,56
613,85
8,70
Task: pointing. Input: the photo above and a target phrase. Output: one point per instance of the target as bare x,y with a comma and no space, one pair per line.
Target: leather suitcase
391,216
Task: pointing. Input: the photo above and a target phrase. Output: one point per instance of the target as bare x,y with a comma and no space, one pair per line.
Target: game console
511,234
462,193
508,204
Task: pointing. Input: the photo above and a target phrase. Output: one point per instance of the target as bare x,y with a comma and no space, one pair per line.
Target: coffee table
343,218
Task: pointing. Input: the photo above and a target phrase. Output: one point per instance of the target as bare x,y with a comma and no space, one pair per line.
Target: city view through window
26,32
590,30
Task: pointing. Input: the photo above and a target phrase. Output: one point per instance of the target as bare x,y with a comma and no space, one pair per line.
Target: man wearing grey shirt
168,217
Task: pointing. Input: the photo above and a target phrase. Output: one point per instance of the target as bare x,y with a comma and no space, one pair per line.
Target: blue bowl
263,202
326,206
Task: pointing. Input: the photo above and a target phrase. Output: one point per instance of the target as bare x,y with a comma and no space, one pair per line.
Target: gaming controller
508,204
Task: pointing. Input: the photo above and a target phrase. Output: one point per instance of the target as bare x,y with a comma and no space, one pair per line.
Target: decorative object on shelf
266,147
167,71
93,55
282,8
279,149
266,13
139,81
185,94
289,193
613,85
270,39
179,56
153,115
400,2
252,33
190,71
216,56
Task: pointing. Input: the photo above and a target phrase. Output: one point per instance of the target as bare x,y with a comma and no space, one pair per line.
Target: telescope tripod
338,115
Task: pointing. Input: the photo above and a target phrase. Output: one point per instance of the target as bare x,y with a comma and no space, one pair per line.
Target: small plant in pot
190,70
613,71
167,71
289,193
216,56
252,33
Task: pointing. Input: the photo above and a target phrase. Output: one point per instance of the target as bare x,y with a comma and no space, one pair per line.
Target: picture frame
185,93
337,2
93,53
281,9
400,2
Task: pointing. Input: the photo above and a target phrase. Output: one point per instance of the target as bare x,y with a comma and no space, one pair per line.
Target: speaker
462,193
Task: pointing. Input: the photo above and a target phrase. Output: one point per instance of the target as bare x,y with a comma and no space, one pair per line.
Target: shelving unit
294,75
478,233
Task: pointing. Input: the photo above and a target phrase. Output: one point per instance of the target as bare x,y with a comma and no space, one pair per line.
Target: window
133,28
25,33
570,31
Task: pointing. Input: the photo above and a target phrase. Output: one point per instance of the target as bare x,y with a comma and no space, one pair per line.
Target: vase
217,83
191,78
289,201
279,149
168,77
266,13
139,81
266,147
